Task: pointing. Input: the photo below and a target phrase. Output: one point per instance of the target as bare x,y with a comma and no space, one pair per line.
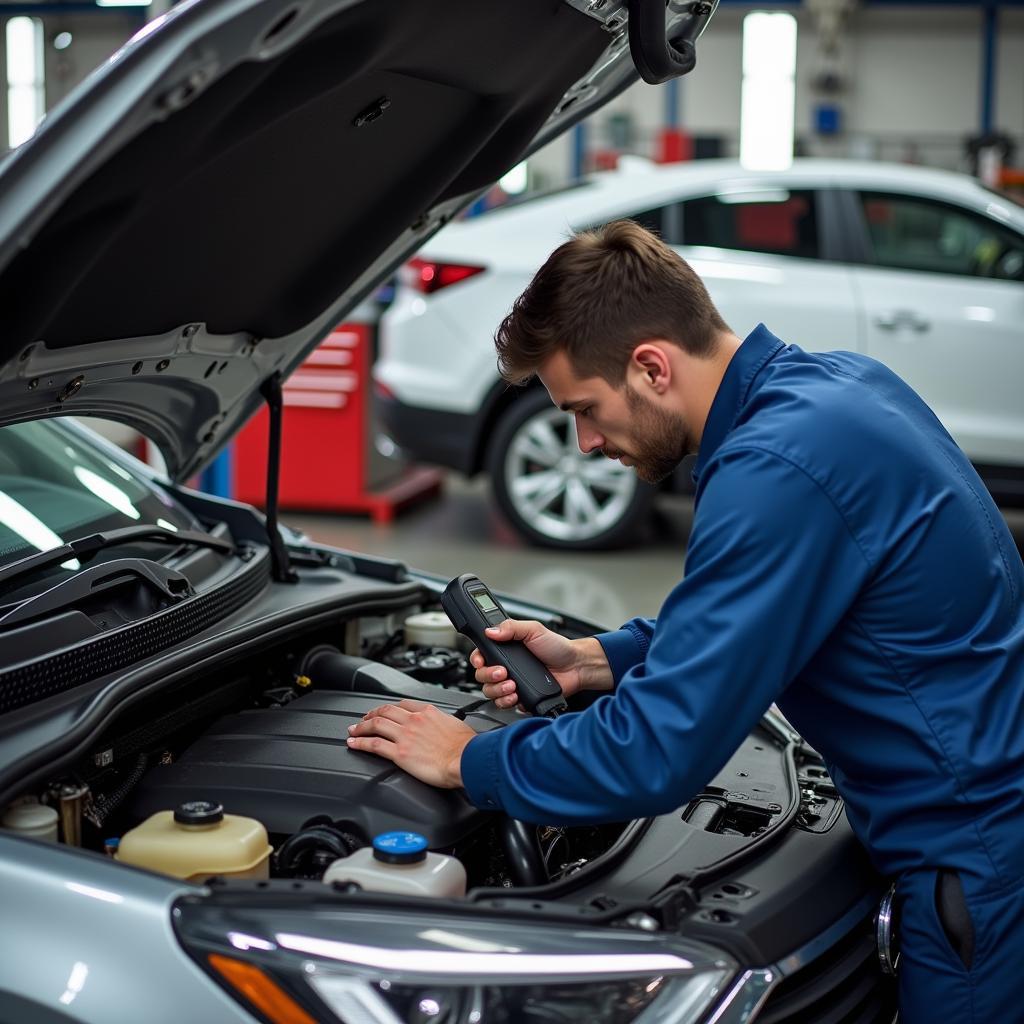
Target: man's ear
650,367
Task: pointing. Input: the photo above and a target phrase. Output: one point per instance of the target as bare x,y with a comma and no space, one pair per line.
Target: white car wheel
554,494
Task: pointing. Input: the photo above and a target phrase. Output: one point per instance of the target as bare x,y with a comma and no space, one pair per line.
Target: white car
921,269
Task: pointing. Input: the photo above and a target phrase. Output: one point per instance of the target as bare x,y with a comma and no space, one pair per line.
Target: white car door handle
893,320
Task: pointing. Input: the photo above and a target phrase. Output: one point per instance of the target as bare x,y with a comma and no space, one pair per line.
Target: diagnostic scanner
472,608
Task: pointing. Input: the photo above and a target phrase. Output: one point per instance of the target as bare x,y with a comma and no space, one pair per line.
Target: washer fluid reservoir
401,862
196,841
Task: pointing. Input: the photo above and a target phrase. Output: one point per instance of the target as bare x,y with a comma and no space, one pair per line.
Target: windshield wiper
83,548
103,582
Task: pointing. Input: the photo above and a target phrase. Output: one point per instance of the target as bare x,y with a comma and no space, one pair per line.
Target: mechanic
845,561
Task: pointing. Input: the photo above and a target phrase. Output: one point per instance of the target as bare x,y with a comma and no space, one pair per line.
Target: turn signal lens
251,983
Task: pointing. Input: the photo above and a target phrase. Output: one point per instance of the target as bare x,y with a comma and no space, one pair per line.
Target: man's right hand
574,664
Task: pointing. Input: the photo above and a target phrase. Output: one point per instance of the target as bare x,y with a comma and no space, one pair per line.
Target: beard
662,439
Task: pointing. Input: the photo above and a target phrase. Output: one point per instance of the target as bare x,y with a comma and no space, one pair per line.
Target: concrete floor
462,532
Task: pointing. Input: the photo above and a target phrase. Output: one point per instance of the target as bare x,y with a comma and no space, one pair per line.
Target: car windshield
56,486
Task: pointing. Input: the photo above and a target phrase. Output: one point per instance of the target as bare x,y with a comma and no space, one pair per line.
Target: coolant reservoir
36,821
401,862
430,629
196,841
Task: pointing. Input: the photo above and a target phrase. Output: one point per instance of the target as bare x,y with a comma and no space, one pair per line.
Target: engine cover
284,765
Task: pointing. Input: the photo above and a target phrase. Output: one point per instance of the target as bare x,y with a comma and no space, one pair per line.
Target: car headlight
304,959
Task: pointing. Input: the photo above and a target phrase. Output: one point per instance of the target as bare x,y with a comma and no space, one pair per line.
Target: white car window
662,220
778,221
658,220
909,233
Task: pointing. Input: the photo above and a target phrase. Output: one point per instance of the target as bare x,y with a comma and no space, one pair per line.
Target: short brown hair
598,296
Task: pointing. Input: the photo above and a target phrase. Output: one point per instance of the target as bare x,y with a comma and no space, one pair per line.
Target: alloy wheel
556,489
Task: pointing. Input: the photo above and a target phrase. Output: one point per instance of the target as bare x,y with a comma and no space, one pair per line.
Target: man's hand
574,664
423,740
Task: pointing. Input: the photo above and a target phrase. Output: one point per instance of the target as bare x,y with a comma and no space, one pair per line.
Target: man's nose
588,438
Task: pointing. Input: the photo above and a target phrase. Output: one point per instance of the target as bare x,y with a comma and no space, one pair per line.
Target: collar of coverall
759,347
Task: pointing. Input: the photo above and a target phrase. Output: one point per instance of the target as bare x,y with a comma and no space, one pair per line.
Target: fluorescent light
769,92
766,125
769,45
25,78
123,3
22,60
62,40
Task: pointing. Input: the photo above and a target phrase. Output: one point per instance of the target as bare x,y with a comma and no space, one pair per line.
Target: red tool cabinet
329,462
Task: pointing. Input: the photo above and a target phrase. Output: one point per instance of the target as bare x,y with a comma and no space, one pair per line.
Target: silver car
173,242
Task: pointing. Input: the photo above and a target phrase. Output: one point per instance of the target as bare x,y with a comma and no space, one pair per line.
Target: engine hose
319,837
105,805
330,669
522,852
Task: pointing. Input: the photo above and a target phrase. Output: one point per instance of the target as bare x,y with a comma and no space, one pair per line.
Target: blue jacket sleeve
771,569
627,647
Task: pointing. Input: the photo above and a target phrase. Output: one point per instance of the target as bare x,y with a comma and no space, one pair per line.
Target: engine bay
263,737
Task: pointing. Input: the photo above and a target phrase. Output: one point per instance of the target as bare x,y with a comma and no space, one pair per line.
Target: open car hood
214,199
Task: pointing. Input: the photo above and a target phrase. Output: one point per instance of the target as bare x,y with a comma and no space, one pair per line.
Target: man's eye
586,411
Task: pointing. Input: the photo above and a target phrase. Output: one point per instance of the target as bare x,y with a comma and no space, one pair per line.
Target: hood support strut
280,565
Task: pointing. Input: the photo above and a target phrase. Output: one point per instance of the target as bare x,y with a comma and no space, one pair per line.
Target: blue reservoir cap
400,847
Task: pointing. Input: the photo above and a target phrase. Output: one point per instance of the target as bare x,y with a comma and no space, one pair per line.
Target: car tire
552,493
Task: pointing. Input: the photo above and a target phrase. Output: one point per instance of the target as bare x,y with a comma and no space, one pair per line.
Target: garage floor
462,532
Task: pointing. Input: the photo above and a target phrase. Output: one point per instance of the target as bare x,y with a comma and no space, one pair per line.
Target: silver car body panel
91,940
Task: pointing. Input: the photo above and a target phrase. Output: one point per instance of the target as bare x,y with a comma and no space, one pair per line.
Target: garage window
25,81
909,233
779,221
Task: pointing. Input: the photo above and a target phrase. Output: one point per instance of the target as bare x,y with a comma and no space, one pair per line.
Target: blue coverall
847,562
